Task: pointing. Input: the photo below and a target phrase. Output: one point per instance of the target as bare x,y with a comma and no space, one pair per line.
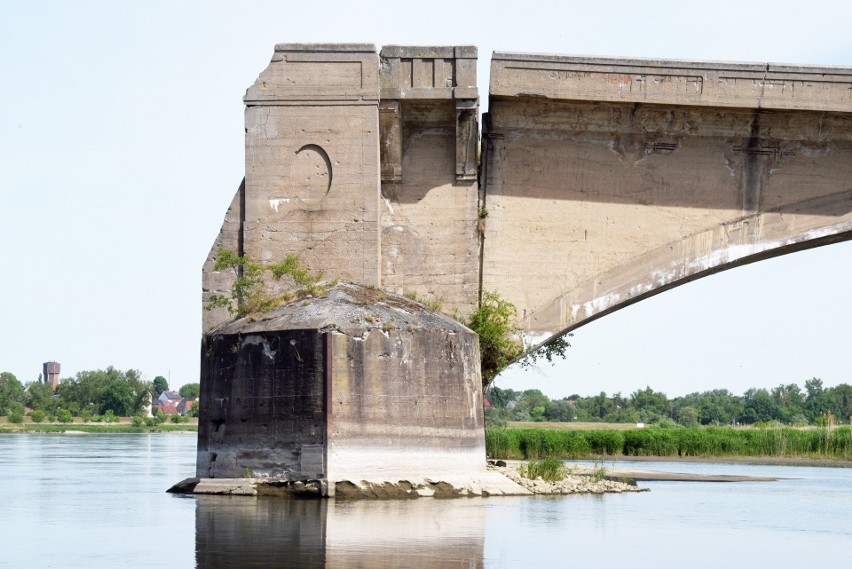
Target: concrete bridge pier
358,393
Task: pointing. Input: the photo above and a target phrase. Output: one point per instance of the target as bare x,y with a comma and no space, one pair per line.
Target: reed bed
832,443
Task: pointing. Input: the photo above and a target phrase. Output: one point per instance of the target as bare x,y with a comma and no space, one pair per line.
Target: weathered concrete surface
429,134
605,180
358,386
608,181
363,165
219,282
312,166
671,82
312,160
263,405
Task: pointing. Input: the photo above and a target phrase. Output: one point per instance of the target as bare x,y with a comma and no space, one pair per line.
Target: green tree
790,401
99,390
720,407
532,405
758,405
844,401
552,349
560,411
11,393
688,416
40,396
159,385
493,321
594,408
190,390
499,397
623,415
118,397
651,405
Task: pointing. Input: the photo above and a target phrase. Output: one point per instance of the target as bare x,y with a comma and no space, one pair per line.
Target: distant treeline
95,395
787,404
821,442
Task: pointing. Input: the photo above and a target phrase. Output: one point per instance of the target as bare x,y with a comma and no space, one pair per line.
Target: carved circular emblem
311,174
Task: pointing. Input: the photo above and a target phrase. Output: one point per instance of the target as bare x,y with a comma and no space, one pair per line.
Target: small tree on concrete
493,322
248,294
499,346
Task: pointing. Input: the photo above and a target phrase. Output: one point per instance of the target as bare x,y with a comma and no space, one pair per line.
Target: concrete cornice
326,47
305,73
677,82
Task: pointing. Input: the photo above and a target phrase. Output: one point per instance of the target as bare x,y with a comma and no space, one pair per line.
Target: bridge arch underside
595,206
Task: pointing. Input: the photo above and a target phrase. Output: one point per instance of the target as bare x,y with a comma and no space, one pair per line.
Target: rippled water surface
99,501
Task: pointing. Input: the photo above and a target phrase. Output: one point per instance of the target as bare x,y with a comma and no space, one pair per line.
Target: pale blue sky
121,145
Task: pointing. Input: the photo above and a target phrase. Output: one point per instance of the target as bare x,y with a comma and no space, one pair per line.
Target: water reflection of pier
275,532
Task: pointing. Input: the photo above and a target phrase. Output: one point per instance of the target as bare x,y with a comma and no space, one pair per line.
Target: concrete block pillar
429,130
358,385
312,160
429,74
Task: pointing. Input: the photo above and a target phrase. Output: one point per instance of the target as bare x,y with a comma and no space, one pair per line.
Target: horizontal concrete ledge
676,82
314,102
326,47
653,63
430,52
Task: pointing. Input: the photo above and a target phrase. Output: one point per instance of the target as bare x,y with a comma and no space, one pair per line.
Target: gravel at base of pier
574,482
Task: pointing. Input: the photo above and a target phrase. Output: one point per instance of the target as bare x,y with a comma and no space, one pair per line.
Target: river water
98,501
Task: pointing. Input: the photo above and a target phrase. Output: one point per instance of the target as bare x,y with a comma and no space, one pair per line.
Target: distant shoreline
756,460
94,428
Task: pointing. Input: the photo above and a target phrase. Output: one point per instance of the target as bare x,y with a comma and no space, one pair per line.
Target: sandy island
581,479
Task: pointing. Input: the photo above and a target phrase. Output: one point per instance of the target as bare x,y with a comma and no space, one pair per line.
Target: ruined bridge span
598,181
595,183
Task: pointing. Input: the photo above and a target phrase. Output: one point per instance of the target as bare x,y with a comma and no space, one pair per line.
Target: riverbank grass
788,442
550,469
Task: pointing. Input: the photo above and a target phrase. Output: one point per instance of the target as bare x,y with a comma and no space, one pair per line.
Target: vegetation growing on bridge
499,346
248,294
493,320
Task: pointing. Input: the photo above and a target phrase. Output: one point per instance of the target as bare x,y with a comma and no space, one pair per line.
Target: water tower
50,373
